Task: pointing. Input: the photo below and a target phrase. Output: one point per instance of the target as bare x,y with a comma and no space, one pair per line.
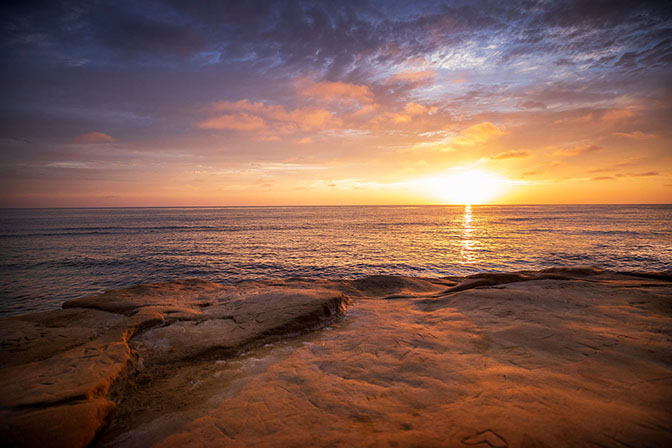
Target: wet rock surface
561,357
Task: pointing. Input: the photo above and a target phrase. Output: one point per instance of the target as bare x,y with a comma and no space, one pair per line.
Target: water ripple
51,255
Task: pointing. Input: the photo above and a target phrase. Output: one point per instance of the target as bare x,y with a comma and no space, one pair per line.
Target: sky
199,103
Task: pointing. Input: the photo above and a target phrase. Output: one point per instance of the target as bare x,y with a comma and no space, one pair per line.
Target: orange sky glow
464,116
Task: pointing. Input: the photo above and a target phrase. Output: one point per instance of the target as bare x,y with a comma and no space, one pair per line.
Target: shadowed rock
382,285
497,278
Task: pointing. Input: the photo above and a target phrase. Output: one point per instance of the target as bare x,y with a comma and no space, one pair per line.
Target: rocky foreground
561,357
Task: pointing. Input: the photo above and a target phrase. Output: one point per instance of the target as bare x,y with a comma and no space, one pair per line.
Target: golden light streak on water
467,244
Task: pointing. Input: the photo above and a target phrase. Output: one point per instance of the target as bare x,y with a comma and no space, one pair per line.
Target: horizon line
329,205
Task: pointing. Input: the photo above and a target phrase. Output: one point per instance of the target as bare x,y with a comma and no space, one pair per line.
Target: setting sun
467,187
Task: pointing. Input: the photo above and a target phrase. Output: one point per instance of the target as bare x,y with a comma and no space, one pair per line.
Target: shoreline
662,274
95,371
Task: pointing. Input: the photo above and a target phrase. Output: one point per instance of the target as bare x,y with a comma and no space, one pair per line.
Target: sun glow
467,187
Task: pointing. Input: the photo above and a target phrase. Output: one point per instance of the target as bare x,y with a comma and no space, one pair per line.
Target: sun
467,187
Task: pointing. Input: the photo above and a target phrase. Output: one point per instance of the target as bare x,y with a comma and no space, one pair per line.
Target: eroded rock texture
561,357
64,372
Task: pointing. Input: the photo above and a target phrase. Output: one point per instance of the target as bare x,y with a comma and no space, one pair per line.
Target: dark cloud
336,38
601,14
139,34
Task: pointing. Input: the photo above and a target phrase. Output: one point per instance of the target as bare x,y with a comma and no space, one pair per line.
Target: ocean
48,256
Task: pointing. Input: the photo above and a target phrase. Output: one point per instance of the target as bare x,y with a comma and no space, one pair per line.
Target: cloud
136,34
478,133
599,69
646,174
618,114
577,150
510,155
237,122
415,77
247,116
635,135
602,178
583,119
532,105
93,138
268,138
338,38
338,90
440,145
411,111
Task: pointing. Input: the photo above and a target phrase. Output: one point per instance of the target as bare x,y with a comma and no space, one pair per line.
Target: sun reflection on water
467,244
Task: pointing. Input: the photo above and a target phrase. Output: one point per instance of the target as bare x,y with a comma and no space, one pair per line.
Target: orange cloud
418,109
414,76
575,120
411,110
618,114
478,133
238,106
246,116
365,110
399,118
94,137
577,150
636,135
510,155
268,138
338,90
237,122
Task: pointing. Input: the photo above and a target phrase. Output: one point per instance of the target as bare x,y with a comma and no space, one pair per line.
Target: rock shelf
560,357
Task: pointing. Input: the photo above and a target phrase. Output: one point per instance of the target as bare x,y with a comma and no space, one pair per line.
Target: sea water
51,255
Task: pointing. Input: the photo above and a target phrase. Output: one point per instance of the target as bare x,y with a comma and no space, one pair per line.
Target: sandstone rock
181,293
560,357
384,285
231,324
84,372
66,426
62,370
34,337
579,359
